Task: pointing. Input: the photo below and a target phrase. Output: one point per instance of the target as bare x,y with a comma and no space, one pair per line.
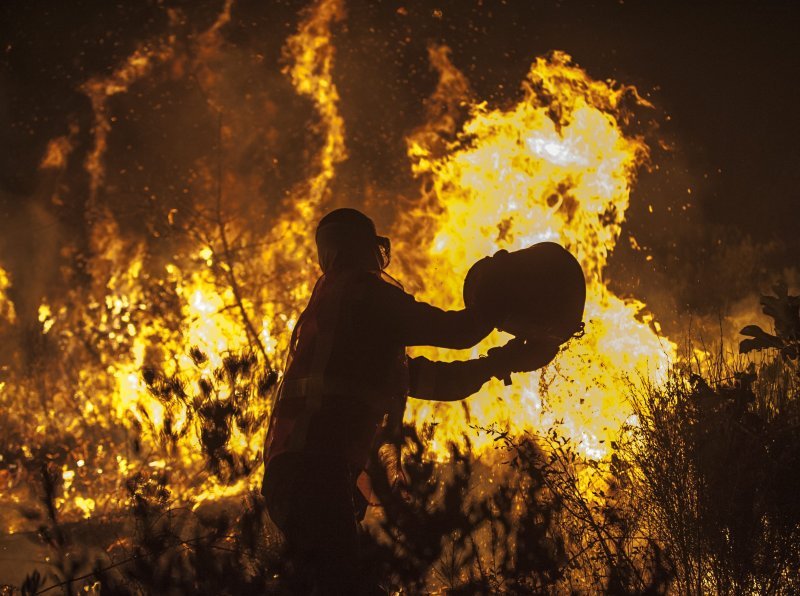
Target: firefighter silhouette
345,387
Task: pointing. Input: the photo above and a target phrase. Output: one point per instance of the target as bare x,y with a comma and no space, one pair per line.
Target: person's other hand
389,456
519,355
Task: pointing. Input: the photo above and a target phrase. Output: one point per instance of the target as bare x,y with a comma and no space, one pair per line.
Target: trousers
310,498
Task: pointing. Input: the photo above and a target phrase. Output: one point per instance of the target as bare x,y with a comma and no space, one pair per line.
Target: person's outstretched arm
414,323
451,381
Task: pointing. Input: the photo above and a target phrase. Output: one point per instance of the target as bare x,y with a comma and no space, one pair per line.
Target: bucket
537,293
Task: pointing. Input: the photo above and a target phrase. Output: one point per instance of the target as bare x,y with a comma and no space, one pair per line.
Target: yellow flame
46,317
310,53
554,167
86,505
7,312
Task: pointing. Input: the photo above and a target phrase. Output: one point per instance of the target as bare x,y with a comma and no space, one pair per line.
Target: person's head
346,239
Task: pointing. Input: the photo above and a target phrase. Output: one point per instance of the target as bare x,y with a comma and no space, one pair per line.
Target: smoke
700,276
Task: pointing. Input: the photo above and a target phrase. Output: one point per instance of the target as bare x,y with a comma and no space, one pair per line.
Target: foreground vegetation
698,496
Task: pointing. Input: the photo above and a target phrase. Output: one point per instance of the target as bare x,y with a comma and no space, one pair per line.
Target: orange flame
99,90
57,152
311,53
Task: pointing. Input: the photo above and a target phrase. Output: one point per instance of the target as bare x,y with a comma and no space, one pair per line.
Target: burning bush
698,496
712,464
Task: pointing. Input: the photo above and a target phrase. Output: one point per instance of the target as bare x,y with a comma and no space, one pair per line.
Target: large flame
220,319
209,300
556,166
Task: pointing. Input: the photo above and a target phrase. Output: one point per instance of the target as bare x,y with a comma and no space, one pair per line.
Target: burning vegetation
142,357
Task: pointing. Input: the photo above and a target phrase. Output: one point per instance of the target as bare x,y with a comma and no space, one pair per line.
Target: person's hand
519,355
389,456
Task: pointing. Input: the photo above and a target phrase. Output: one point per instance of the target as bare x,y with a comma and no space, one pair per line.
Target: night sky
723,77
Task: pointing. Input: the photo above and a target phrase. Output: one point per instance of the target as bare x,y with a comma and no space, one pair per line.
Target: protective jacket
348,368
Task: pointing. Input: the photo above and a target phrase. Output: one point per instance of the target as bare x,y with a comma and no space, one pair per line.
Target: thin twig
226,254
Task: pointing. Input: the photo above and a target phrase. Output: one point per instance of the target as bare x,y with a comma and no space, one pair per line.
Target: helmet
346,238
535,293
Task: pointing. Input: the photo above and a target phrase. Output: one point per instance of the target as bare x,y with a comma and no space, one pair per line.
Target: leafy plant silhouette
784,310
217,405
